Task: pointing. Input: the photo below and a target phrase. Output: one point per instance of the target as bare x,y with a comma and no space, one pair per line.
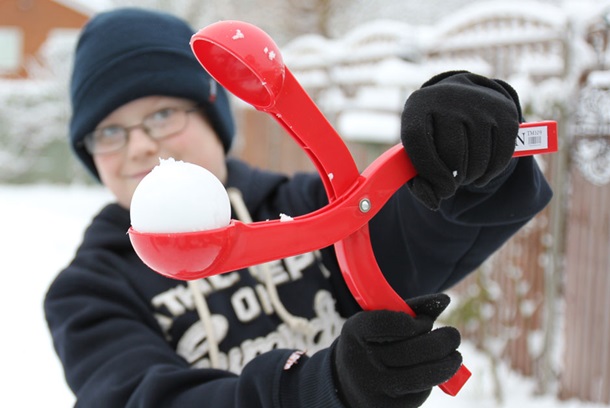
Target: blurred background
541,304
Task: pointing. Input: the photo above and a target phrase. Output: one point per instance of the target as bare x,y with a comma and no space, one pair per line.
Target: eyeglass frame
88,141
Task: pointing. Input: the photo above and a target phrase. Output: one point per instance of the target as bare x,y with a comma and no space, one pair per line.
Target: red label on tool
536,138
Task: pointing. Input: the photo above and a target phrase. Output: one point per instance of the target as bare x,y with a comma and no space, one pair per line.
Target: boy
128,336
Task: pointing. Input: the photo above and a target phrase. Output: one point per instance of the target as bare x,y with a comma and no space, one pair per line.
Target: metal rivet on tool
365,205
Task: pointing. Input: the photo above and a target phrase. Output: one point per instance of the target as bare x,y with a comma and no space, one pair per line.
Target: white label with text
532,138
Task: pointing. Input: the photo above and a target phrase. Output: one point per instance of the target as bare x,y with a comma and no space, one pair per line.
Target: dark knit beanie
129,53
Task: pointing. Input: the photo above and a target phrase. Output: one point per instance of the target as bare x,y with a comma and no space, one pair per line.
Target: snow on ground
42,226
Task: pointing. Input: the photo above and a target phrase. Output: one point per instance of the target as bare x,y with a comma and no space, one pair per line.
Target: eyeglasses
158,125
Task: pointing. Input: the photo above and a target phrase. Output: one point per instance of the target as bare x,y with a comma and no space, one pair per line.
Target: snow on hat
129,53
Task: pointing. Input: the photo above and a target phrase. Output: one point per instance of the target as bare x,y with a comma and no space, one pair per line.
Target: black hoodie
129,337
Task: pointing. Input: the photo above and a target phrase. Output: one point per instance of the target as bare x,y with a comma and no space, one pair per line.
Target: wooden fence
586,355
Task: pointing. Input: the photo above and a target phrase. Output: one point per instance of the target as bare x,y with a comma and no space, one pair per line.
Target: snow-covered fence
542,300
501,39
551,320
359,81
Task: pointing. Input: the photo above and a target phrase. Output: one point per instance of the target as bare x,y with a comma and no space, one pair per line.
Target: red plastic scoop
247,62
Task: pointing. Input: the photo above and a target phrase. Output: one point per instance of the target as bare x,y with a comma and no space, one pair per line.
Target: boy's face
197,143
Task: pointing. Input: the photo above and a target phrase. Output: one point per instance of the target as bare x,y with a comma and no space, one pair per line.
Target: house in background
26,24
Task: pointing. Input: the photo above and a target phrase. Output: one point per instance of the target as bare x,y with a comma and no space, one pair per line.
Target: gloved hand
392,360
458,129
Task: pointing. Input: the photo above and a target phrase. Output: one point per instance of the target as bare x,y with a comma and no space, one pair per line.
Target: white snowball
179,197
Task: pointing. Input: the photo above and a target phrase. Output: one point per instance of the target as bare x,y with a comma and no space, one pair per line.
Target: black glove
390,359
458,129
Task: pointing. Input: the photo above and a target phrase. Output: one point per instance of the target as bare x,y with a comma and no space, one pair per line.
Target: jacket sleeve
422,251
115,355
